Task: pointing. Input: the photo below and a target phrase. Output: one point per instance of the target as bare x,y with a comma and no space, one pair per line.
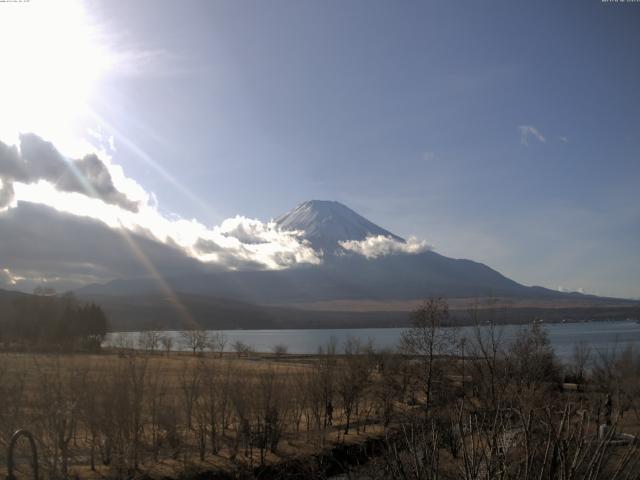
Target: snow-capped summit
325,223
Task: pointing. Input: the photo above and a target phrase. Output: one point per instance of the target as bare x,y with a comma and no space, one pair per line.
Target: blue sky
412,113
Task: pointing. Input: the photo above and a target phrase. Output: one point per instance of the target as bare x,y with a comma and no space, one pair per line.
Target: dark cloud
11,165
232,260
6,193
37,242
95,173
39,160
207,246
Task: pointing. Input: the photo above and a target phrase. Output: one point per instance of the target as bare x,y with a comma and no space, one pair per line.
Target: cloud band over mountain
380,245
71,222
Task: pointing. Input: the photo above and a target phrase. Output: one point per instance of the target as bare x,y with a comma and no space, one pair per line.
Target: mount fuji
325,294
327,223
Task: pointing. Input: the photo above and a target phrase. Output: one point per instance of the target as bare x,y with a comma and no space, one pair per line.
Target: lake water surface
601,336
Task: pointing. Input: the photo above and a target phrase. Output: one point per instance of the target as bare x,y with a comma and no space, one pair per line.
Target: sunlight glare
52,61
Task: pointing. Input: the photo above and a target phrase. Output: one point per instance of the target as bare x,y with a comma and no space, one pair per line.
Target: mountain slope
8,296
343,275
326,223
346,277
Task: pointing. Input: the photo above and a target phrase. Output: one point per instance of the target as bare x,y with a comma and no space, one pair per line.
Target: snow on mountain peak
327,223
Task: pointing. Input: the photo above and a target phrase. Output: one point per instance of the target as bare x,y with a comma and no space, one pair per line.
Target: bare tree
195,340
212,399
414,453
299,391
241,348
167,343
13,393
190,387
580,361
353,378
156,404
201,415
241,401
426,339
487,353
58,410
149,340
388,389
532,363
123,342
279,349
218,342
89,414
270,411
324,382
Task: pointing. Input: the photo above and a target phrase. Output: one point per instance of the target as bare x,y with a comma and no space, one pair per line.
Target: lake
563,336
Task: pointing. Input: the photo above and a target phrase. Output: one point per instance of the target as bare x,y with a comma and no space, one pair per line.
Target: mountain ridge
343,275
273,298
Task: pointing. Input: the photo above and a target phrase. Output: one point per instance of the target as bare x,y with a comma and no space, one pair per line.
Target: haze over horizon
502,133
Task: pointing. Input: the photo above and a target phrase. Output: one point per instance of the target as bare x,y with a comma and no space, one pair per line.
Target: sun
52,61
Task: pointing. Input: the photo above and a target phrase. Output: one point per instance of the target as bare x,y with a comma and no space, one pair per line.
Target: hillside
297,297
343,274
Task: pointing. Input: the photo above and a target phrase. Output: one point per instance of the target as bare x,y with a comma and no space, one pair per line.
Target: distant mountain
347,277
305,296
343,275
156,311
7,296
326,223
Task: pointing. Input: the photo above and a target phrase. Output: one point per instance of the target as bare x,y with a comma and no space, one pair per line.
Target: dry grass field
499,411
112,414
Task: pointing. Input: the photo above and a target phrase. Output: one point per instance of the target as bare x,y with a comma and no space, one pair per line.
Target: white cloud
569,290
7,279
250,240
377,246
95,188
530,130
246,230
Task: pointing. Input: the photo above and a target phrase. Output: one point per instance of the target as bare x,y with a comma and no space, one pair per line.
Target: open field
123,413
110,414
463,404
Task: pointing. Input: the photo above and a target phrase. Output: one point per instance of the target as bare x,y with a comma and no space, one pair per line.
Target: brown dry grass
32,368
